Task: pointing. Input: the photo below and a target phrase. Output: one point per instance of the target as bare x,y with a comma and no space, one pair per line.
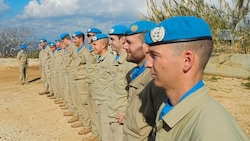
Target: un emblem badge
134,28
94,38
111,31
157,34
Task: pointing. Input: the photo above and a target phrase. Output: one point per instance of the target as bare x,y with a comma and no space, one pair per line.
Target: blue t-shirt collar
137,71
80,48
117,56
168,105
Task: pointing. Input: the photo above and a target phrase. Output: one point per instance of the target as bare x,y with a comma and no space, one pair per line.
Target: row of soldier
110,93
93,83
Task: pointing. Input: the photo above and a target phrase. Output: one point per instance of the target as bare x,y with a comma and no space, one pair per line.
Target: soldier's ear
145,47
123,39
188,60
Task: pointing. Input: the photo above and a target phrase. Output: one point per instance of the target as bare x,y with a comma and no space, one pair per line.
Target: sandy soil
27,116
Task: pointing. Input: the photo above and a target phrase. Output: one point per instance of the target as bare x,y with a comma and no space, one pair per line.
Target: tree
221,17
11,38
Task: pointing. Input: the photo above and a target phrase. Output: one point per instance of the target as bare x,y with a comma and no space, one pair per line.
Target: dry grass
219,17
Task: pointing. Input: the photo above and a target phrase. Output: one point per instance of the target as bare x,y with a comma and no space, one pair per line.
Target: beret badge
111,31
157,34
94,38
134,28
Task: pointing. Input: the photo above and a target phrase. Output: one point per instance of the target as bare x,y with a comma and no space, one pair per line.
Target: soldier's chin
157,83
129,59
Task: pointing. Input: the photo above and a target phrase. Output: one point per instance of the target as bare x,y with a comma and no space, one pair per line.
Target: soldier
22,57
45,55
58,72
180,48
40,47
69,74
102,81
52,78
144,97
82,54
90,79
119,84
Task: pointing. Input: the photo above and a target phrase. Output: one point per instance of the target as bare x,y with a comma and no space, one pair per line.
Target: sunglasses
89,35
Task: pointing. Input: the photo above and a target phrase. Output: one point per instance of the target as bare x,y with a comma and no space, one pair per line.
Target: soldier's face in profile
43,43
134,49
63,46
163,65
76,41
97,46
115,42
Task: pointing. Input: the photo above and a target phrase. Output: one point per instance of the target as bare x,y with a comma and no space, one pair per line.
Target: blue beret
98,37
178,29
140,27
52,44
63,36
77,33
118,30
94,30
23,46
57,40
48,43
43,40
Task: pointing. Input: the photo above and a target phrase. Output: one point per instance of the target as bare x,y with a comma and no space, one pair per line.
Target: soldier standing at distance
22,57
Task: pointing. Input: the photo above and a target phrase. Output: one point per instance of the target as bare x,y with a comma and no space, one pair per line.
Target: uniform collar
184,107
101,58
141,80
121,59
82,46
168,105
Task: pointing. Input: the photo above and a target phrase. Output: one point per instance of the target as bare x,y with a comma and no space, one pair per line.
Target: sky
50,18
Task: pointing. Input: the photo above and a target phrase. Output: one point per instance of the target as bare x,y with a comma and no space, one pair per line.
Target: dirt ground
27,116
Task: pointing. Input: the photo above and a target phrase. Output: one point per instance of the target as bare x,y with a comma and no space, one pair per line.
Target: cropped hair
203,48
